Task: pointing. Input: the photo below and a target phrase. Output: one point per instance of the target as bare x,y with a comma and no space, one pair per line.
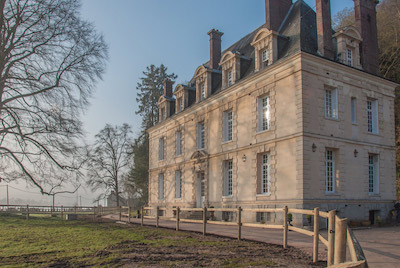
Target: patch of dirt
211,251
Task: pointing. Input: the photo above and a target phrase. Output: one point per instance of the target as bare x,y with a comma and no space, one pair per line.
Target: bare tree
109,161
49,61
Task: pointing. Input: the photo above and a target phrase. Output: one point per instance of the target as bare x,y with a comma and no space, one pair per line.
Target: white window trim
227,125
161,187
178,184
265,184
200,137
203,91
333,103
349,57
228,178
332,161
375,178
263,113
265,57
161,149
178,145
374,116
229,78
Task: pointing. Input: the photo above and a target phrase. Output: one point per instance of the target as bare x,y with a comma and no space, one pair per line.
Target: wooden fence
339,235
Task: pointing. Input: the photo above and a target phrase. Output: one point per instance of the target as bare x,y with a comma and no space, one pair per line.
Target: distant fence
339,235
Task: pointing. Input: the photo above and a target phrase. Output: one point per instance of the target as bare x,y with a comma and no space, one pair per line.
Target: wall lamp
355,153
244,158
314,147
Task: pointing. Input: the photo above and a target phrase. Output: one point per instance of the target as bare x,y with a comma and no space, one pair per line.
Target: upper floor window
373,174
354,110
331,104
265,182
228,178
163,114
263,113
202,91
265,58
329,171
230,78
180,104
161,186
200,135
349,57
161,149
178,143
227,126
372,116
178,184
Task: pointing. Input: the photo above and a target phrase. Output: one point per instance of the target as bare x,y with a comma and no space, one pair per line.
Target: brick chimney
275,12
215,48
324,28
168,88
365,13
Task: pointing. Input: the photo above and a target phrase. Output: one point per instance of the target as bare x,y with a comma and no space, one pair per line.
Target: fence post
27,212
129,214
178,217
94,214
120,213
62,214
204,221
239,220
157,217
340,240
285,226
142,219
316,235
331,237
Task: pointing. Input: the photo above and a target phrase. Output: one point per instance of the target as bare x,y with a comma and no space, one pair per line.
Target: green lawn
43,242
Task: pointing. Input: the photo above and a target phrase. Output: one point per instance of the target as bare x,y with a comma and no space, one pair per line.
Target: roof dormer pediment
349,32
263,36
200,70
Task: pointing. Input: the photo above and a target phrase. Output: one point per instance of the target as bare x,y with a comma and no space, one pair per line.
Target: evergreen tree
149,90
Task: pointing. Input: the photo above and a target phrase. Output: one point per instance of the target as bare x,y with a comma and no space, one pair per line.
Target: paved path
381,245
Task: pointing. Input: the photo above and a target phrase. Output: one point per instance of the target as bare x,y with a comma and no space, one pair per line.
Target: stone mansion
292,114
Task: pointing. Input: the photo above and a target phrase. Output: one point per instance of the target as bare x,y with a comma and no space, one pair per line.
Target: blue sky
172,32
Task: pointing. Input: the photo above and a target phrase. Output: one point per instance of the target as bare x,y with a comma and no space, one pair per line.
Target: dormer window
230,78
265,58
163,114
349,57
180,104
202,91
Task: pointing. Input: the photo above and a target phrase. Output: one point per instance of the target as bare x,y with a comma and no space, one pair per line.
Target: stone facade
229,173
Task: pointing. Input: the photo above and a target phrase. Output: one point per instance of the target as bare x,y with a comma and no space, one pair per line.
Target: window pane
200,136
178,184
178,143
263,113
161,149
353,110
228,177
372,116
330,171
349,57
265,179
161,186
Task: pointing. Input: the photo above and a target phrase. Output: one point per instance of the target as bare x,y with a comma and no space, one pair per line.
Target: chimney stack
215,48
365,13
324,28
168,88
275,12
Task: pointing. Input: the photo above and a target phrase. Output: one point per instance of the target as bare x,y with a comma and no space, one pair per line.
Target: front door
200,191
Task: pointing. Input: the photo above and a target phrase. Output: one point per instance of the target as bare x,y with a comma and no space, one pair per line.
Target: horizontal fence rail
339,235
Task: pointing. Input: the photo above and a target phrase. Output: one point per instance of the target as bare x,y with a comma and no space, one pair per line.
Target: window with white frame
200,135
265,183
178,184
373,174
372,116
228,177
349,57
180,104
161,149
329,171
230,78
202,91
161,186
354,110
178,143
265,58
263,113
227,126
331,103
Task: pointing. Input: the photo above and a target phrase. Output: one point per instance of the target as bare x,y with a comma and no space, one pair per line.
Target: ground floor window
161,186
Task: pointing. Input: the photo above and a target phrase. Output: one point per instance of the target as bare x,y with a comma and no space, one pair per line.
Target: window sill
227,197
177,156
355,124
263,195
332,118
227,142
373,134
178,199
332,194
262,131
374,195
